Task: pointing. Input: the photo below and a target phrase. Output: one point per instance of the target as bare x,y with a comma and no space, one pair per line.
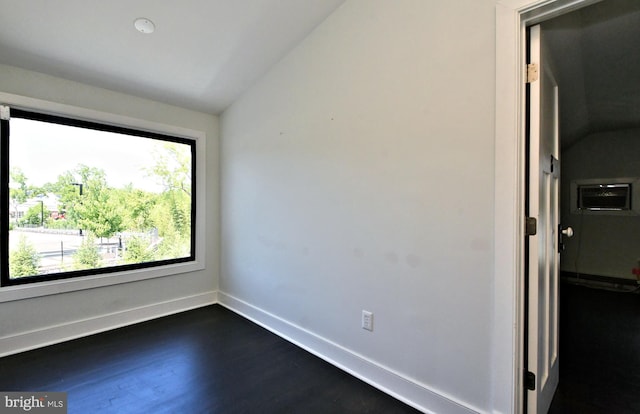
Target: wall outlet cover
367,320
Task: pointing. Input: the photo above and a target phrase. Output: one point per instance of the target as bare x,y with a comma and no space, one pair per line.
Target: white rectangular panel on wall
606,196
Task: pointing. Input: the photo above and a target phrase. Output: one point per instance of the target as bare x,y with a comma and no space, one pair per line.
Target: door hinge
532,72
530,226
530,381
5,113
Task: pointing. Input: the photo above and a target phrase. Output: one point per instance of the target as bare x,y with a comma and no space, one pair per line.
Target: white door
544,260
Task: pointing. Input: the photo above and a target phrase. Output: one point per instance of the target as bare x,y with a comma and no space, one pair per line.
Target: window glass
86,198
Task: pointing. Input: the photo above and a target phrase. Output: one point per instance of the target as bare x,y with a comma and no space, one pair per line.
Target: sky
44,150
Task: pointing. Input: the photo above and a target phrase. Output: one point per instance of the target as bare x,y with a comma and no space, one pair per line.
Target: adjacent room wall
564,44
605,244
358,174
40,320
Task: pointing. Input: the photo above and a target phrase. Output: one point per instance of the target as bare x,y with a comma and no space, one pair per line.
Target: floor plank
599,352
208,360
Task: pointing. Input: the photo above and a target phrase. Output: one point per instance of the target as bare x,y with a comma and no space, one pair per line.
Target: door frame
512,19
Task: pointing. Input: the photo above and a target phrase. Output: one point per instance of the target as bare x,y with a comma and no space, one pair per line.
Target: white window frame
37,289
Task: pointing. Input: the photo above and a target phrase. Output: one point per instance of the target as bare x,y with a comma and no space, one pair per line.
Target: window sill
54,287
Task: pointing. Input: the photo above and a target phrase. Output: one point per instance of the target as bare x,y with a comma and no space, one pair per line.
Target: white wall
604,244
35,321
358,174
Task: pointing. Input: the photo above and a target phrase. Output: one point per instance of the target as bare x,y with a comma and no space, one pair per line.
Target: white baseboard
393,383
50,335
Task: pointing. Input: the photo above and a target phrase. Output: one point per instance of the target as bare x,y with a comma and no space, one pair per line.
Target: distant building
50,202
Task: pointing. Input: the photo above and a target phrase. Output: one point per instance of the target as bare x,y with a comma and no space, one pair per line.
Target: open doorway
596,55
512,19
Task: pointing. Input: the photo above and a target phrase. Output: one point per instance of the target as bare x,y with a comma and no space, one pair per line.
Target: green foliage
172,214
72,188
180,207
102,211
173,167
18,189
95,210
87,256
135,208
50,223
35,214
99,214
23,261
137,250
171,211
173,246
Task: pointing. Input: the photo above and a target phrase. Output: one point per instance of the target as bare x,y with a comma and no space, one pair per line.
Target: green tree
23,261
86,197
68,195
171,215
173,167
18,189
171,212
137,251
87,256
36,214
99,214
173,246
71,186
135,208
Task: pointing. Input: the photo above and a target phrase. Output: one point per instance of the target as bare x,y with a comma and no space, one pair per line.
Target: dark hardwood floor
599,352
208,360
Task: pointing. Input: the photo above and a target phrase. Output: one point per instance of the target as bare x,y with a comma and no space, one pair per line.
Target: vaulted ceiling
205,53
596,51
202,55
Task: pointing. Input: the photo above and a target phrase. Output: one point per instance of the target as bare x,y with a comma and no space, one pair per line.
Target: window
604,197
84,198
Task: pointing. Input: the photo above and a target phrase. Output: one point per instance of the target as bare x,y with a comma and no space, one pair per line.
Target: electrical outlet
367,320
